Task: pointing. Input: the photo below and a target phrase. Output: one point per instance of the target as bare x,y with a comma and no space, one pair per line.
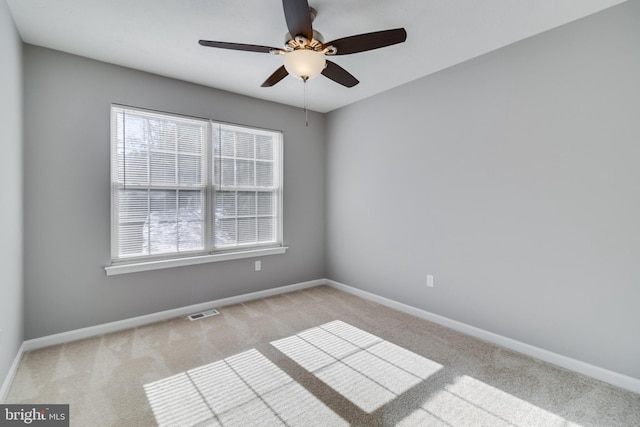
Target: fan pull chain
306,111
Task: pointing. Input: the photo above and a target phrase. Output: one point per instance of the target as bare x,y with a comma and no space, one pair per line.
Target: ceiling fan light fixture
304,64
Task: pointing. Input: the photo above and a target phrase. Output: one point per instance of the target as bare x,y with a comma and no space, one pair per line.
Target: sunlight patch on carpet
468,401
242,390
362,367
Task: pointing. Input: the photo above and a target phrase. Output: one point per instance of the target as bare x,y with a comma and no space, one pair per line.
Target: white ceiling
161,37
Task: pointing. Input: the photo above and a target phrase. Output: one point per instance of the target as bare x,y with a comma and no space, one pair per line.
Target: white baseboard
611,377
4,391
133,322
614,378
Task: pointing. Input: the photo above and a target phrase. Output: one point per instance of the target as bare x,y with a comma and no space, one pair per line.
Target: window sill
135,267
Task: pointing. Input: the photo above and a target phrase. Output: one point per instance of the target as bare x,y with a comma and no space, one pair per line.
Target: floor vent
203,314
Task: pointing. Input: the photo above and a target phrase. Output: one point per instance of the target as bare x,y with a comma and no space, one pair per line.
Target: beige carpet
314,357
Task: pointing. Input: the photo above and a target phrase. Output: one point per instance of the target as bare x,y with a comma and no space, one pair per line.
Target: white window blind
247,177
186,186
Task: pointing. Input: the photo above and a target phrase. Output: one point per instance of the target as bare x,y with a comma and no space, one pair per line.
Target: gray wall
514,178
11,276
67,200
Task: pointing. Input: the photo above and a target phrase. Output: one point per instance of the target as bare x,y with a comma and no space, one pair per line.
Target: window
184,187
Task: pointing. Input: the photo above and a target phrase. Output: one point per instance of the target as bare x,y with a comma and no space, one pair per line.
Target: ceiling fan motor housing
301,42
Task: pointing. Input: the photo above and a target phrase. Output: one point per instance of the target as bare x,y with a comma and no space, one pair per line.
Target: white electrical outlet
258,265
430,280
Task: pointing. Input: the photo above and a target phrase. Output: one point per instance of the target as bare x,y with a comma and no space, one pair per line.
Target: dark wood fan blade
339,75
238,46
368,41
298,17
274,78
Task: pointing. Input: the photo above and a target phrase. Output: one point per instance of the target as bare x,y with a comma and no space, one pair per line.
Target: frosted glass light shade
304,64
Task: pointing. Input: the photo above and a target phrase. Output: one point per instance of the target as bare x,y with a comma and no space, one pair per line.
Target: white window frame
212,186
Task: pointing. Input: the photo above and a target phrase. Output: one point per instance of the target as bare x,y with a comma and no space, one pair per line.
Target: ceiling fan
305,51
